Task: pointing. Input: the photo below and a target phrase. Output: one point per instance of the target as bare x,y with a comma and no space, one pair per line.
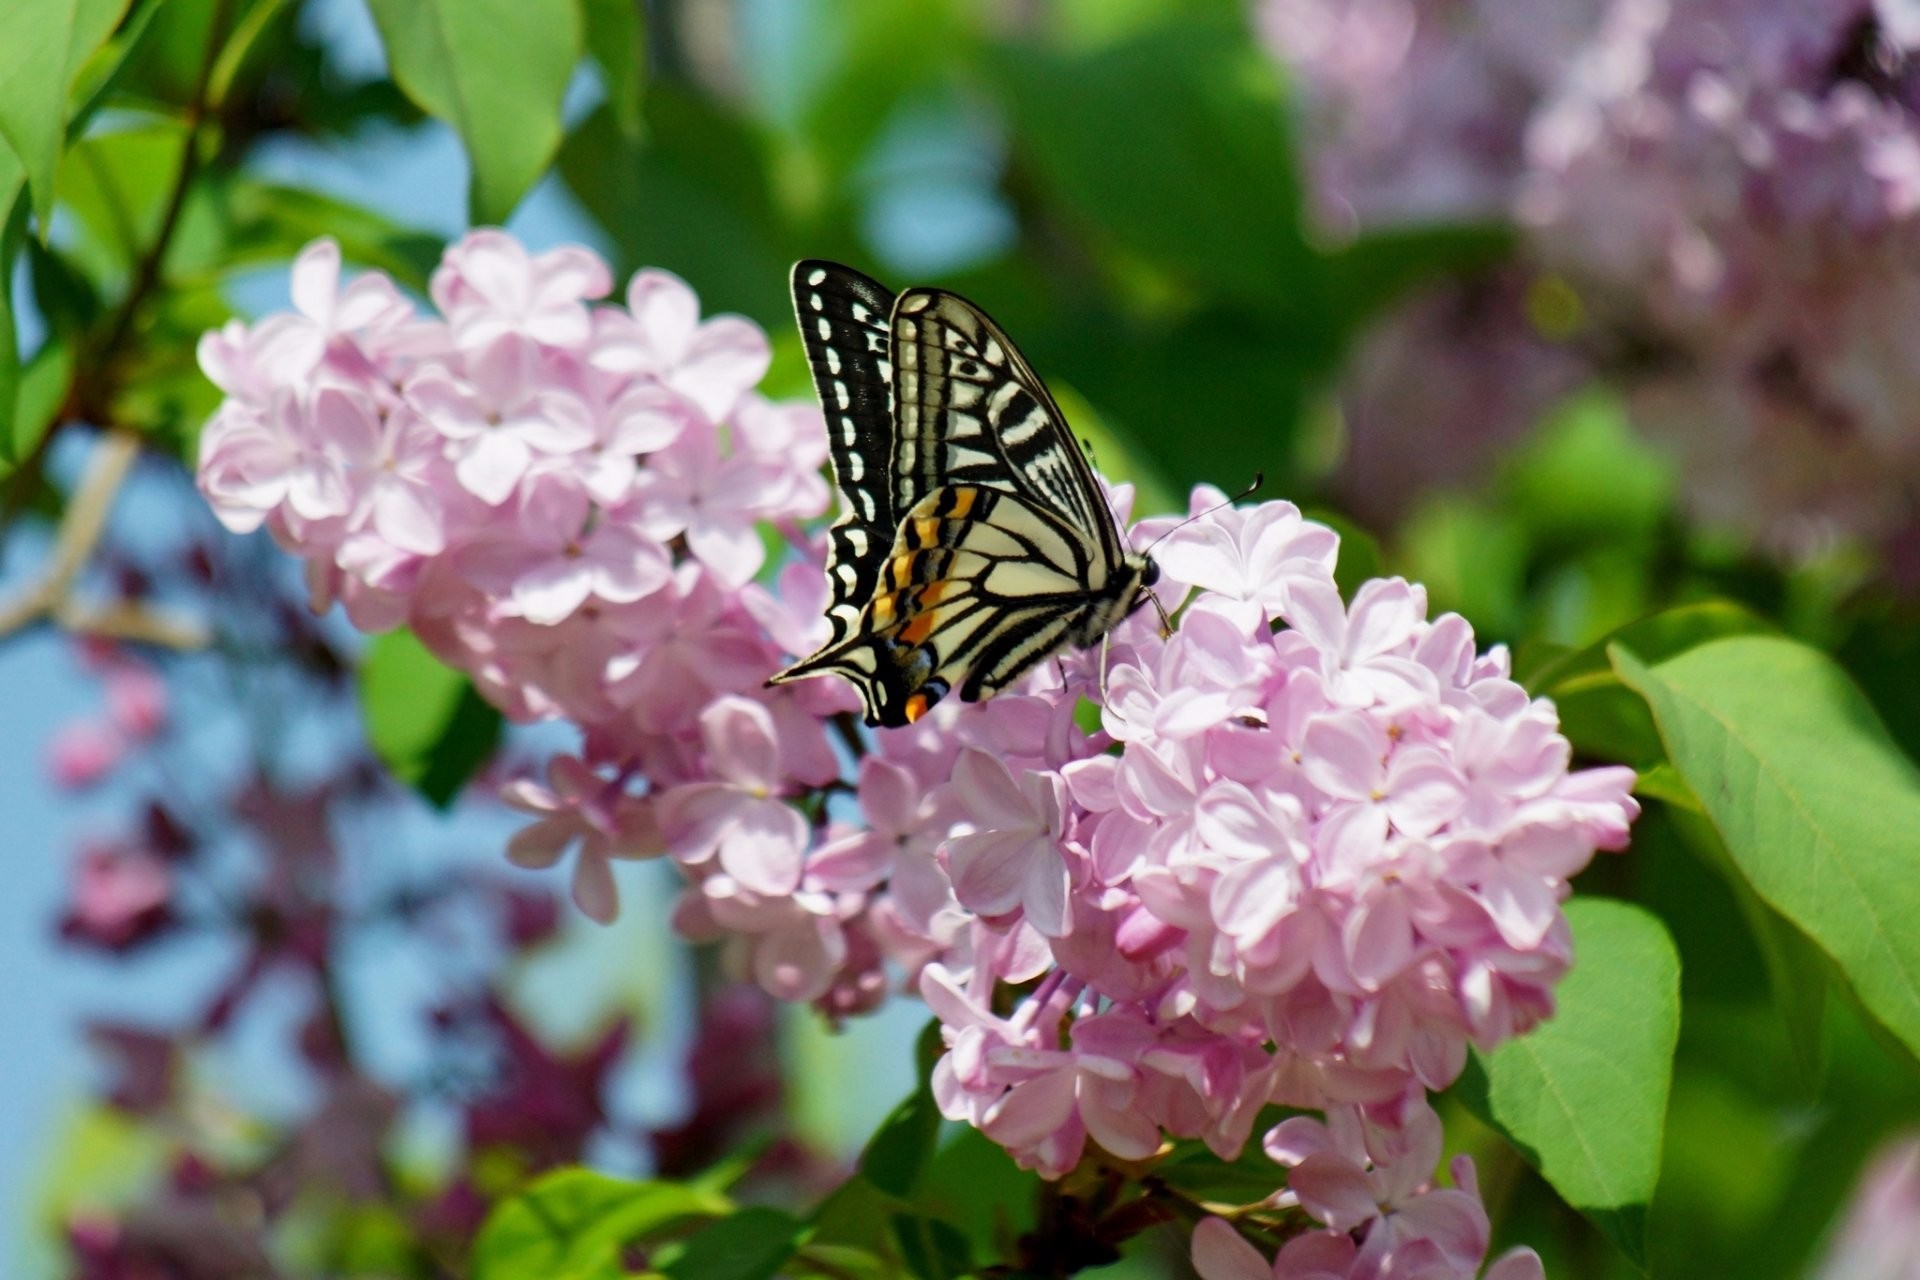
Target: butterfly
974,540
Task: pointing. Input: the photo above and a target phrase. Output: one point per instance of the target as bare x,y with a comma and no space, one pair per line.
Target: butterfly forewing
844,320
970,409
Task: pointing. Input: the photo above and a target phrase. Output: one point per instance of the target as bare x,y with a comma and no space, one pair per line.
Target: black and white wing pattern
1001,551
844,320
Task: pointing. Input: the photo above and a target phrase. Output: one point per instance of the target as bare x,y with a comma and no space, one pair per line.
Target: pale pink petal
593,889
1221,1253
765,847
1334,1190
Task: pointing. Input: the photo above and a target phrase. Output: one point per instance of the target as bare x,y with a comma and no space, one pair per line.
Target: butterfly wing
969,409
843,318
980,586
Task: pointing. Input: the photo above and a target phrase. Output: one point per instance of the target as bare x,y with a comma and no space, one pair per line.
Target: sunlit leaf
1584,1094
1816,805
496,71
46,41
574,1225
424,720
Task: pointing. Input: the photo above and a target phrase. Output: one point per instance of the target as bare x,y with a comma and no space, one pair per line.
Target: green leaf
269,222
43,387
574,1224
750,1245
617,43
496,70
1174,144
1599,715
116,184
1586,477
424,720
46,42
13,232
694,199
1584,1095
897,1156
98,76
932,1249
1816,805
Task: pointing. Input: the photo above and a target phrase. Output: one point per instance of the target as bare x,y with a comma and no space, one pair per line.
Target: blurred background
1572,310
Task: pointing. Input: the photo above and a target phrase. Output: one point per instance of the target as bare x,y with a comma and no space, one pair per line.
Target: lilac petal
989,792
1045,889
741,742
593,889
889,796
1296,1138
1314,609
316,278
727,356
1345,756
666,312
1519,1263
1152,786
1318,1255
765,848
1379,938
990,868
1231,820
543,843
1092,783
408,516
1452,1220
696,817
1033,1111
1523,906
732,550
550,591
492,466
797,963
1424,792
1384,614
1334,1190
1253,897
1221,1253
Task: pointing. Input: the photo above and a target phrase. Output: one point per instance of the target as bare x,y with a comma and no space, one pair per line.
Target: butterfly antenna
1259,478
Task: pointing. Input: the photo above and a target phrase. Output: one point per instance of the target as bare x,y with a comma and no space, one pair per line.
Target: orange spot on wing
962,503
916,707
931,594
920,628
927,531
882,611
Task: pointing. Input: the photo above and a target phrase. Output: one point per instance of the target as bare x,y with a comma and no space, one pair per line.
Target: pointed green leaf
1584,1095
424,720
617,44
1817,807
1174,143
750,1245
496,70
46,41
13,230
574,1225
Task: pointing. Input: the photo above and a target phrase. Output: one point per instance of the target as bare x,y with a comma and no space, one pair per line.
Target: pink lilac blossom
1301,850
1738,184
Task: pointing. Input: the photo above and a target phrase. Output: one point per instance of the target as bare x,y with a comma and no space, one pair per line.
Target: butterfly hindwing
844,320
979,587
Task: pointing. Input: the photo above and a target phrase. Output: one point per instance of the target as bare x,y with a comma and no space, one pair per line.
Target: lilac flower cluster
1300,850
1367,1171
1730,189
1740,184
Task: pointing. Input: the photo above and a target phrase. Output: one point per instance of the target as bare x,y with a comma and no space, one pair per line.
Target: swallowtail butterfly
974,540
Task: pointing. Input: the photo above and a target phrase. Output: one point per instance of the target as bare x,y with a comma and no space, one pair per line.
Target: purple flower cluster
1731,189
1367,1172
1301,850
1740,183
